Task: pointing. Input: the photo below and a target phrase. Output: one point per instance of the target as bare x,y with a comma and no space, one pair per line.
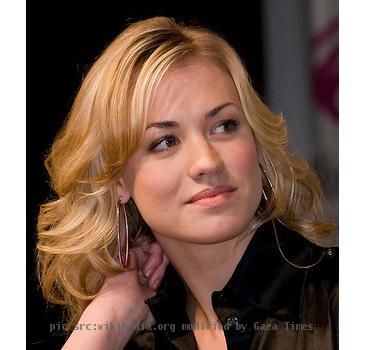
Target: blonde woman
169,155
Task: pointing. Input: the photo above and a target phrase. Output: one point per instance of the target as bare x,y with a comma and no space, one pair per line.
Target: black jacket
266,304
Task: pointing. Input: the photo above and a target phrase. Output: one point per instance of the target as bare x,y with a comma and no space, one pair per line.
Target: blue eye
164,143
226,126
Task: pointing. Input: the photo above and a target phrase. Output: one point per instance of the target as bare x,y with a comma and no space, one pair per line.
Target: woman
168,142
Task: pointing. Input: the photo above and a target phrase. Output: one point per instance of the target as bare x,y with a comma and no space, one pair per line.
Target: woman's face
197,140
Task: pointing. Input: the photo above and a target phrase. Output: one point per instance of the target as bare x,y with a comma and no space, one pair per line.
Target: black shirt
266,301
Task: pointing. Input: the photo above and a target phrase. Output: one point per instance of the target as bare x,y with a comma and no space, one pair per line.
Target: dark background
62,40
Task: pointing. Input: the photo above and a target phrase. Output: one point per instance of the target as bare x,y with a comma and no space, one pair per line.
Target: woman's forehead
196,85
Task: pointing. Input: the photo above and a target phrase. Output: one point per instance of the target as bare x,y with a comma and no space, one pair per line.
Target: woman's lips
212,197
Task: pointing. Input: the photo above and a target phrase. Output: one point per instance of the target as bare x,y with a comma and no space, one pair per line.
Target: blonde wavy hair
77,231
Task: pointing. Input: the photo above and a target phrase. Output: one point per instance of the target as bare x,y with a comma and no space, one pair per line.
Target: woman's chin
209,236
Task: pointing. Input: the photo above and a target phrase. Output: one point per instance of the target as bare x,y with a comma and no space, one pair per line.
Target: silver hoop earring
264,194
123,251
270,184
286,259
276,234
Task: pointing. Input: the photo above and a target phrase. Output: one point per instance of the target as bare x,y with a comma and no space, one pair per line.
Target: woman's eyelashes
168,141
225,126
164,143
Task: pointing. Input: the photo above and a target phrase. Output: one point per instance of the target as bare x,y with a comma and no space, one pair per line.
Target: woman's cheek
246,169
244,155
154,187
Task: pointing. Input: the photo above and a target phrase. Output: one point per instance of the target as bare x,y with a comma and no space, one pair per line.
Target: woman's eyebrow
172,124
163,125
217,109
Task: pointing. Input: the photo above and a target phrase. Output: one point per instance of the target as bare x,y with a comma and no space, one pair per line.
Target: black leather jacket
266,304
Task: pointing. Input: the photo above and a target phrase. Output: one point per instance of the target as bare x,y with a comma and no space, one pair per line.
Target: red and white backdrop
300,45
324,45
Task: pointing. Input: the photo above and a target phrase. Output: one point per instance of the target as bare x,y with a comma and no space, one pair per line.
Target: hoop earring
276,234
264,194
123,252
270,184
287,260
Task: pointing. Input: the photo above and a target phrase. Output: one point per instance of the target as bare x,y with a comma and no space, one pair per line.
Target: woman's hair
77,231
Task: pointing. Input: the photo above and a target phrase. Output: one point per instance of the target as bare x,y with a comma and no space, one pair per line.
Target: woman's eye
226,126
164,143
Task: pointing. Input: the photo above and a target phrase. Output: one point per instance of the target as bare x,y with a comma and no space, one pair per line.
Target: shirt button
232,321
330,252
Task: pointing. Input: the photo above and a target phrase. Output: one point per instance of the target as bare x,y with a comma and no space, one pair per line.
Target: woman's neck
204,269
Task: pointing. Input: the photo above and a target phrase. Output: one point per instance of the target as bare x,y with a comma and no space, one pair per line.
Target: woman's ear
122,191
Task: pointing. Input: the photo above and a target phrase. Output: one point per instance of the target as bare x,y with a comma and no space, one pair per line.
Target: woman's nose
205,160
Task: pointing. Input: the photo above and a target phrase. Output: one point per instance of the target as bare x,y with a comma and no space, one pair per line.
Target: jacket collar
263,280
